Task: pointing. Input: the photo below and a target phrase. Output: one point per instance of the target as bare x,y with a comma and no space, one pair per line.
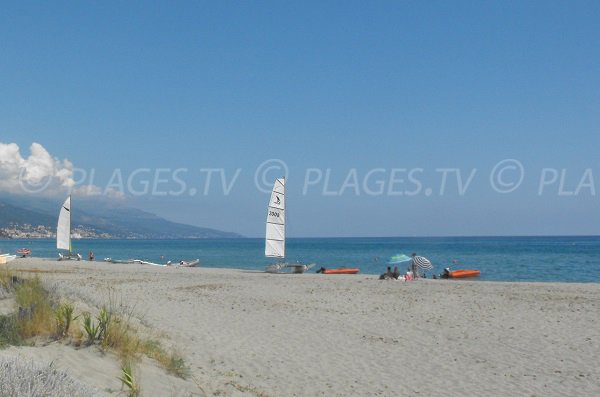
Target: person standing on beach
413,266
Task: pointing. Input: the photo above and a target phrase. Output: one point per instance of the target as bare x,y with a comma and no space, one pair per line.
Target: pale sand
247,333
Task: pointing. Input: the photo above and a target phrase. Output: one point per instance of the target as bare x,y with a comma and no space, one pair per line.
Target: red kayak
342,270
464,273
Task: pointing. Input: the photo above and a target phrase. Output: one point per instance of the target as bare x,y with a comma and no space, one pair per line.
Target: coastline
512,259
250,333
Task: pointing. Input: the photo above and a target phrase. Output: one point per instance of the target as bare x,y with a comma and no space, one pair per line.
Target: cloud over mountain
39,173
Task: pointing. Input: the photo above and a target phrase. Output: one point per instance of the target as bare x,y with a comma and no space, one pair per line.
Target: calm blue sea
565,259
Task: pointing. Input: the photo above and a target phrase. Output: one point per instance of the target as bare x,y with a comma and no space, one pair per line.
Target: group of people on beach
389,274
412,272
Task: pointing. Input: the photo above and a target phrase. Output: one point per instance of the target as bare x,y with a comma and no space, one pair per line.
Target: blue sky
320,85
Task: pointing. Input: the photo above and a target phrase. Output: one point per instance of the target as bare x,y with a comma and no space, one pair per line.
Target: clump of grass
64,318
104,319
35,316
172,362
5,279
9,331
128,379
91,329
38,315
117,332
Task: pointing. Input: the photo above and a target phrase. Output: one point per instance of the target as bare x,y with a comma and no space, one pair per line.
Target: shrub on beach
6,281
35,315
19,377
40,314
9,331
64,318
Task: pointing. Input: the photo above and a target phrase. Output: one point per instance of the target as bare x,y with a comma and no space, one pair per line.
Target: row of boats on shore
192,263
275,237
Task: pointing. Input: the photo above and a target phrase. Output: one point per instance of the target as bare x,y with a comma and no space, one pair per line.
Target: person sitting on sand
396,273
387,275
446,273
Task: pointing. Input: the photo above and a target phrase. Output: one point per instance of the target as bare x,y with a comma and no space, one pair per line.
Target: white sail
63,230
275,235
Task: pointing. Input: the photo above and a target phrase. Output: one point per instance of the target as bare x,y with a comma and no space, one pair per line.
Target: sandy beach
256,334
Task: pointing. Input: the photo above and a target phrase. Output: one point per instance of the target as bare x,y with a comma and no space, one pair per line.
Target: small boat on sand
5,258
122,261
141,262
461,273
340,270
193,263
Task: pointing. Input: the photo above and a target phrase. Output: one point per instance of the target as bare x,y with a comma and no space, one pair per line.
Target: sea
540,259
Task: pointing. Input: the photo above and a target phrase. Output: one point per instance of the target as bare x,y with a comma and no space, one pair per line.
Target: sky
388,118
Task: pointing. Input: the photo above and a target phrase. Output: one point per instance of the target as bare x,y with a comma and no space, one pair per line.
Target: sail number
275,214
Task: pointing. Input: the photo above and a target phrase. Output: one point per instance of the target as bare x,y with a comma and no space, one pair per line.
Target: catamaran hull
69,257
284,267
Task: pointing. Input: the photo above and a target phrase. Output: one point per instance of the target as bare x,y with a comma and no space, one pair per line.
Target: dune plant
128,379
35,316
5,279
91,330
172,362
104,319
9,331
64,318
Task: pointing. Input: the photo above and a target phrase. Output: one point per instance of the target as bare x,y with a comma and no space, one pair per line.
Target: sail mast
275,231
63,229
70,245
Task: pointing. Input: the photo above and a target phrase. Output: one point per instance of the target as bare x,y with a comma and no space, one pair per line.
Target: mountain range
101,218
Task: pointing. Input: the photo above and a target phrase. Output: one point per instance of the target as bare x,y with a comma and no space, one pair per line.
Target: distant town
24,231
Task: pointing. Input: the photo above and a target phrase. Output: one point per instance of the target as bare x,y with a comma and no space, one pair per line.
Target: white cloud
40,173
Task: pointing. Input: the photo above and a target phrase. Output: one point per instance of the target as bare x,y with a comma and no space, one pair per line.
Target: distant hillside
102,218
12,214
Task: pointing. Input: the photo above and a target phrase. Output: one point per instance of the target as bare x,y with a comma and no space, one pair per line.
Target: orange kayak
464,273
341,271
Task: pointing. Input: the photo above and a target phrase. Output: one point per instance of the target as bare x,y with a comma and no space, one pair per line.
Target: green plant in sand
64,318
35,316
128,379
91,329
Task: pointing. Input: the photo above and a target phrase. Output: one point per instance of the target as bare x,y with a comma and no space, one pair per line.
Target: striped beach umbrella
422,262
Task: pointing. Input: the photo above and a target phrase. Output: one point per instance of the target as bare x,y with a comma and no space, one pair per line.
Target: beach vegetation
171,361
39,313
9,331
104,320
6,278
35,314
64,318
91,329
128,379
23,377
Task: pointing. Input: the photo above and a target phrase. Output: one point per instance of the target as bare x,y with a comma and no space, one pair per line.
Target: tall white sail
63,230
275,236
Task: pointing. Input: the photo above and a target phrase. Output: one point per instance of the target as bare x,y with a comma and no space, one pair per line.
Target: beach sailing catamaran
275,234
63,232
